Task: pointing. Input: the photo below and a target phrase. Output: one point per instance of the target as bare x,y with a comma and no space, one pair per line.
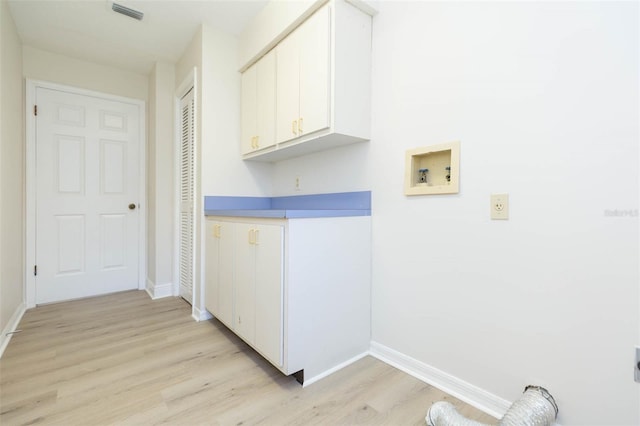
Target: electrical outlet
499,206
297,185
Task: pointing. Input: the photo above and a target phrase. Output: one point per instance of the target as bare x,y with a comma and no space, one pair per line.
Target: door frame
31,183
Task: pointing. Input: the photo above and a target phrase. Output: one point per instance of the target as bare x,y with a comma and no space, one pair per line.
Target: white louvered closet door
187,220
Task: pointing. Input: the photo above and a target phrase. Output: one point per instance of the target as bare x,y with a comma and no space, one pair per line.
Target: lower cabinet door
225,273
269,261
218,293
211,265
244,283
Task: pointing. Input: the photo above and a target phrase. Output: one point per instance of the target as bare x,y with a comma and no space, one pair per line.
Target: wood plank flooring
124,359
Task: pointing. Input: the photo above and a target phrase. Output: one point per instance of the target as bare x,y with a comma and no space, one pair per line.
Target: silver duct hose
536,407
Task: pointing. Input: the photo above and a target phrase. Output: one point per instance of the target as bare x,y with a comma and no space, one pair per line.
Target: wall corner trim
370,7
200,315
472,395
11,326
158,291
332,370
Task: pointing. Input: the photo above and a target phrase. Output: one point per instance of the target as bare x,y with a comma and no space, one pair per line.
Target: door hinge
35,270
35,110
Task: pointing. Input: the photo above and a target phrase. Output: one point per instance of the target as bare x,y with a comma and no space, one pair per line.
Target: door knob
132,206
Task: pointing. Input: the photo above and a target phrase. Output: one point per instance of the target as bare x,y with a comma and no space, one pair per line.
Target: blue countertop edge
287,214
340,204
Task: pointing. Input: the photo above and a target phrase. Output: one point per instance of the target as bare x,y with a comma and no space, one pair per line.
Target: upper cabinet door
287,88
315,76
259,104
249,109
266,102
303,78
322,86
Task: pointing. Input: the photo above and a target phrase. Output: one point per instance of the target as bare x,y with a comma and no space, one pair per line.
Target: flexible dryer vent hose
536,407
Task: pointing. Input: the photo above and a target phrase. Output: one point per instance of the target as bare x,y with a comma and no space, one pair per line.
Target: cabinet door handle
218,227
251,236
300,125
257,142
256,237
294,127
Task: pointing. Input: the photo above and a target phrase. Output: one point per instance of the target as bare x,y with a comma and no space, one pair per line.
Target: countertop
289,207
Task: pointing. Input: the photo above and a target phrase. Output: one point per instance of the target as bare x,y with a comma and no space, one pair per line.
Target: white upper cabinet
303,79
259,104
287,88
321,84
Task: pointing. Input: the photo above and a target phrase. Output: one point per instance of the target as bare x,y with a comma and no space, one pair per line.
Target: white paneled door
87,185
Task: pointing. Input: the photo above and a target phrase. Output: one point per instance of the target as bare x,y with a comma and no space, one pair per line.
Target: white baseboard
11,326
158,291
201,315
472,395
332,370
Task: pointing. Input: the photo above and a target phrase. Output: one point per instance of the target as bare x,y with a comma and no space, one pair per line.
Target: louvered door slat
186,249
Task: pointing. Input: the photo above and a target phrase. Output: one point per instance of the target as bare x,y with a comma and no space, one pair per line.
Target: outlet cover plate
499,206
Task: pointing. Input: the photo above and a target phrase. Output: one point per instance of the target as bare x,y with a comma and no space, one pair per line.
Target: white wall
11,172
160,179
47,66
151,173
544,99
221,171
344,169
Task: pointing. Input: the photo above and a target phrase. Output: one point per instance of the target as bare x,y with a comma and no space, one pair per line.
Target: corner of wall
158,291
11,327
12,260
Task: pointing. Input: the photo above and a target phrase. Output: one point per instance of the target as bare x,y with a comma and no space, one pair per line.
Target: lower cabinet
296,290
218,297
259,284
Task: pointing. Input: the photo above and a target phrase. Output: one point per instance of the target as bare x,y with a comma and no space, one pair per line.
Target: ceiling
90,30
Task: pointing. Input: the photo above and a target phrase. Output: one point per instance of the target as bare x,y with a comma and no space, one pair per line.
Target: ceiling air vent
132,13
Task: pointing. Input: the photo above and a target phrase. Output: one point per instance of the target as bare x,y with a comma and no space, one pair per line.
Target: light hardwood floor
129,360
